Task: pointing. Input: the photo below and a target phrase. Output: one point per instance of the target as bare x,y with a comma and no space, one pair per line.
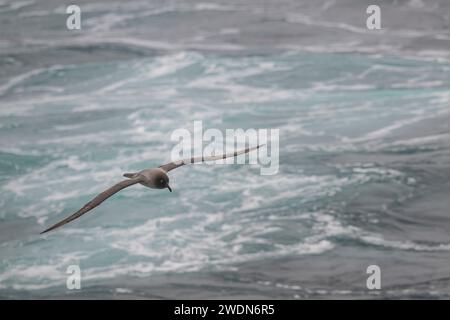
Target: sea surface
364,166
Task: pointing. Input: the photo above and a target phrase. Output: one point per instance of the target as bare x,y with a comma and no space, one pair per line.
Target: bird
154,178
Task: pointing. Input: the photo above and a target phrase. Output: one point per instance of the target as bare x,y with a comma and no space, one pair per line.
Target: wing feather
173,165
95,202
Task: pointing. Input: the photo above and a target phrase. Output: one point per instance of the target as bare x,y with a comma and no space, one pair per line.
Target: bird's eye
162,181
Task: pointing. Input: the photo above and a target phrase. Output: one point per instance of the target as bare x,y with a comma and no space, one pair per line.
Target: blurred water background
364,148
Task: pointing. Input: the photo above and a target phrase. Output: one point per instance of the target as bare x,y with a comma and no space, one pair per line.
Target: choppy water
364,150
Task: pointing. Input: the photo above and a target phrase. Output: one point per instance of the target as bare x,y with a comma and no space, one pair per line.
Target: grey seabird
155,178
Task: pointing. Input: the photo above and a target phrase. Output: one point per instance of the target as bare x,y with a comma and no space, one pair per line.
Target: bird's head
162,181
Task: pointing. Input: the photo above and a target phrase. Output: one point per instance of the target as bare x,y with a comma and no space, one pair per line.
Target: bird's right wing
95,202
173,165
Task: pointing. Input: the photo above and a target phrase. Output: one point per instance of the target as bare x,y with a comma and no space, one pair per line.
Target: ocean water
364,161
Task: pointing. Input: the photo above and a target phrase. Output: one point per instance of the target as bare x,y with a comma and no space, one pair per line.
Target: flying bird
155,178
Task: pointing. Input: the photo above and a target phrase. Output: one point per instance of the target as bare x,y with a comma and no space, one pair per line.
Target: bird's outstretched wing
173,165
95,202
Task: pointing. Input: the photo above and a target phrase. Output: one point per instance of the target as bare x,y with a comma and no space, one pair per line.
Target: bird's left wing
95,202
173,165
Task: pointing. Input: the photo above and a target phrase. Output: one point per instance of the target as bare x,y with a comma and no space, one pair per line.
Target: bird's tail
130,175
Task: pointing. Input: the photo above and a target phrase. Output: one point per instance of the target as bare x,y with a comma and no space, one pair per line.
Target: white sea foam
217,217
19,79
420,141
39,276
17,5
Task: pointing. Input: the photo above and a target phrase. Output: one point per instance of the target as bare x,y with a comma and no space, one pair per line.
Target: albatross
154,178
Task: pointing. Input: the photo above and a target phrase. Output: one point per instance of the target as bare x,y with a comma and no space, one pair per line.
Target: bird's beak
168,187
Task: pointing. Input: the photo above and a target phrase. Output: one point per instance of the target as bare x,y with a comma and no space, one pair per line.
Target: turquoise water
363,174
